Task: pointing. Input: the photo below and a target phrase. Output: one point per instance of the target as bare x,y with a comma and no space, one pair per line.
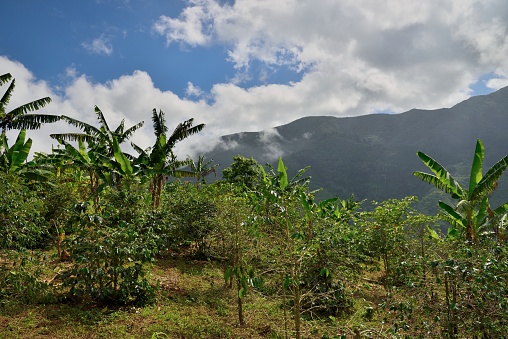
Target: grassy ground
193,302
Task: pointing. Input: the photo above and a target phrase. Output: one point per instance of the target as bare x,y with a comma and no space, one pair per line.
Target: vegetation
105,244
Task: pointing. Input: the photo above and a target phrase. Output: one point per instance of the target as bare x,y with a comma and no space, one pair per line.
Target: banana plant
18,117
202,169
12,158
83,158
159,161
473,211
102,136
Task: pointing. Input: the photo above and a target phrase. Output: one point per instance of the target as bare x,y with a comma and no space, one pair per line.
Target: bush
21,222
108,251
22,280
193,211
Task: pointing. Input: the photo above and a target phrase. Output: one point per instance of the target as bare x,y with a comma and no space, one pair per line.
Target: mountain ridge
373,156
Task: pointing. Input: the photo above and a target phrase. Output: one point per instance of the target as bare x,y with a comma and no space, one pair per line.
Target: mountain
373,156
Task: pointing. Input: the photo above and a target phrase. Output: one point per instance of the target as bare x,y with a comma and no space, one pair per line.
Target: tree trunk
241,319
298,311
156,188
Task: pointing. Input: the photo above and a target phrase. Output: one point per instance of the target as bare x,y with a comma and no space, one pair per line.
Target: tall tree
159,161
473,209
18,117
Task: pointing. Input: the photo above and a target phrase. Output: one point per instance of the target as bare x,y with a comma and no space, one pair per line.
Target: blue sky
249,65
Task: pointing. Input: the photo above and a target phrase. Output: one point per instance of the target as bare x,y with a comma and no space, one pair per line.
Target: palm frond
183,174
443,180
102,119
7,95
139,149
74,137
30,107
183,130
434,180
159,123
86,128
130,131
450,215
4,78
503,209
476,168
119,130
33,121
489,182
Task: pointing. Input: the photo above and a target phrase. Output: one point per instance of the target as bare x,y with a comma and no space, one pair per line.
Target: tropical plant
237,242
21,222
202,169
278,197
193,212
159,161
386,227
473,210
88,160
243,171
12,158
108,250
102,137
18,117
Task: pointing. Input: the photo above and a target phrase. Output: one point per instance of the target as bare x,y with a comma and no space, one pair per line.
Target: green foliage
475,288
244,172
257,228
22,224
193,212
18,117
12,158
236,241
159,162
108,251
23,281
102,138
473,209
386,231
202,169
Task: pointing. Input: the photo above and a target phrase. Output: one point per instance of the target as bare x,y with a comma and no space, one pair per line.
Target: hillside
374,156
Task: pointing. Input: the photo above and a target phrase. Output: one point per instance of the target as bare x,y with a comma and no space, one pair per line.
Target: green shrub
23,279
108,250
192,211
21,222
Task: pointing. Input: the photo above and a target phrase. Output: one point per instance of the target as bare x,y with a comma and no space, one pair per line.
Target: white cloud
193,27
193,91
101,45
357,54
355,57
269,138
497,83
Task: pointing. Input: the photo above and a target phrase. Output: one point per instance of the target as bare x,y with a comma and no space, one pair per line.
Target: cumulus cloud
360,56
355,57
193,91
101,45
497,83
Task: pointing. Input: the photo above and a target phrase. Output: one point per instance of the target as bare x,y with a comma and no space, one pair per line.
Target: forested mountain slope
374,156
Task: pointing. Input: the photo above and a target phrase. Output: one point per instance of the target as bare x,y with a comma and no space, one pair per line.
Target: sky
247,65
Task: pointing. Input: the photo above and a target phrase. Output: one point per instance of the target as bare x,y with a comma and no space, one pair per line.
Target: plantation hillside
98,243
